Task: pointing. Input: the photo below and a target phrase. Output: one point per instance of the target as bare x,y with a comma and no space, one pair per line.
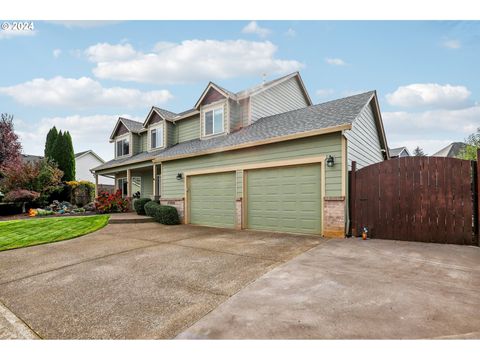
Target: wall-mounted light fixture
179,176
330,161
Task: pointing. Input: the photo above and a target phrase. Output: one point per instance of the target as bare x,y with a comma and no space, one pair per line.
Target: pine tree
58,153
418,151
50,142
69,158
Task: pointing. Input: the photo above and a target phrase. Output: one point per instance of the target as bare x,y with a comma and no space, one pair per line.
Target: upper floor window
214,121
156,138
123,147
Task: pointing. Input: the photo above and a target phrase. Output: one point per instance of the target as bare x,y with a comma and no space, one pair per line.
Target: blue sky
80,76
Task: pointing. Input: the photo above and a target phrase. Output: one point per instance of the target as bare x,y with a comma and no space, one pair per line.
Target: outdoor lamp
179,176
330,161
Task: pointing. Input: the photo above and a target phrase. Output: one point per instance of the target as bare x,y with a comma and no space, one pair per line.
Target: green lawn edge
16,234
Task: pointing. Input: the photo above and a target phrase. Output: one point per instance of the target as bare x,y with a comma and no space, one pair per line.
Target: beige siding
187,129
363,143
329,144
278,99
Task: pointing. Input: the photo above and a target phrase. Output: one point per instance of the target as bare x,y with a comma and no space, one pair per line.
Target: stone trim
179,204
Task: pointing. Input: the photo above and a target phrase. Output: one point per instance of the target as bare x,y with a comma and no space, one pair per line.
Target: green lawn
21,233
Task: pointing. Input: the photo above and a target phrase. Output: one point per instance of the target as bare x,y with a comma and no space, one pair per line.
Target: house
452,150
84,162
31,158
398,152
264,158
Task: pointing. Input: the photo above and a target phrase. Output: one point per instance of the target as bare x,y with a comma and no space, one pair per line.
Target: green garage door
212,199
284,199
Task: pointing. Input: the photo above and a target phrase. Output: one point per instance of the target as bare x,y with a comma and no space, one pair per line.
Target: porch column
129,183
155,185
96,185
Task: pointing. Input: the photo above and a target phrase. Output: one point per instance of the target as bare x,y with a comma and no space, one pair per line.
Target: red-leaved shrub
111,203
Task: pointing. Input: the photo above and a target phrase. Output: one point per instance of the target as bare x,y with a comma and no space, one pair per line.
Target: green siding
187,129
239,175
143,141
329,144
136,144
285,199
170,129
212,199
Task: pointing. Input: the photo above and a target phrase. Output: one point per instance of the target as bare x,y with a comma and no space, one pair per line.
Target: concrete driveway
131,281
350,289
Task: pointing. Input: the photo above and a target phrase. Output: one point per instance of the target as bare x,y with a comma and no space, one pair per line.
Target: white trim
213,108
90,152
149,136
121,138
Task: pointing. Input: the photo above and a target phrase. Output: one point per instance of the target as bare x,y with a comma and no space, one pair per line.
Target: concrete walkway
353,289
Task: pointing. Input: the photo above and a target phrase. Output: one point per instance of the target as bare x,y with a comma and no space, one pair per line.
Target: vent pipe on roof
264,78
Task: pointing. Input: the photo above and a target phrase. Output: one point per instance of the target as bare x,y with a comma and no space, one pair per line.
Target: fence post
478,195
351,197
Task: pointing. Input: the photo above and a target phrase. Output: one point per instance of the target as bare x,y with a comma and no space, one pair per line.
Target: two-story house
264,158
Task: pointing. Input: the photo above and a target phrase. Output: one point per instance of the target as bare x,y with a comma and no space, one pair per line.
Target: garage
212,199
284,199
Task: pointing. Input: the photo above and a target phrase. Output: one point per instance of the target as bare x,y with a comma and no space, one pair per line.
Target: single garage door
212,199
285,199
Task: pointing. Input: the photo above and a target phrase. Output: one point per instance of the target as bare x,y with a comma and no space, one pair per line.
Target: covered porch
141,180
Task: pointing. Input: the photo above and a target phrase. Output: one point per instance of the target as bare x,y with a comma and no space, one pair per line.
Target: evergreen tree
69,158
58,153
418,151
50,142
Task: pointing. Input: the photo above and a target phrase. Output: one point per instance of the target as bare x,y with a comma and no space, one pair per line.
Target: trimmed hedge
150,207
163,214
139,205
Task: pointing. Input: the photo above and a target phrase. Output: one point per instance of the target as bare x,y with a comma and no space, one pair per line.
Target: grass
21,233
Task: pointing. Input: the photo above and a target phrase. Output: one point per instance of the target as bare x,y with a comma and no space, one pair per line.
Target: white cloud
431,130
10,33
56,53
80,94
324,93
80,127
290,33
335,61
452,44
418,95
103,52
253,28
191,60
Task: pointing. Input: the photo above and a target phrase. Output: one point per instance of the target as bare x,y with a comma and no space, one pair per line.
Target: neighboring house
452,150
398,152
264,158
84,162
31,158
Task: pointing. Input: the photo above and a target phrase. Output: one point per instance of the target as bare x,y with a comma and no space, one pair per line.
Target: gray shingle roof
133,126
333,113
452,150
165,113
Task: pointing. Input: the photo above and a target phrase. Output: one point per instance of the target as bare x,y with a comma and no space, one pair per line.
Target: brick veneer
179,204
238,213
334,216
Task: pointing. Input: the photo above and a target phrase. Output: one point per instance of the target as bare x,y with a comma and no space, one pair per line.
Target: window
214,121
156,138
123,147
122,184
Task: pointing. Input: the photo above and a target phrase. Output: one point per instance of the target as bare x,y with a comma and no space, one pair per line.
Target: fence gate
425,199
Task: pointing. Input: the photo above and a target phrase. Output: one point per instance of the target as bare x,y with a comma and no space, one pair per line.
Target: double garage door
278,199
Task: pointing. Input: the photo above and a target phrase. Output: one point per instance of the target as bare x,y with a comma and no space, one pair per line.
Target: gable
211,96
121,130
153,119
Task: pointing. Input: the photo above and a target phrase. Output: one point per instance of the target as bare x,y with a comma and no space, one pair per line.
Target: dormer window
123,147
156,137
213,122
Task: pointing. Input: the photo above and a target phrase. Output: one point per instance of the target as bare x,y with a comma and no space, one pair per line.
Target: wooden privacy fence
425,199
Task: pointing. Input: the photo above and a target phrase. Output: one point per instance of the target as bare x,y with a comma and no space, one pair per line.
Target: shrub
139,205
21,196
166,215
81,192
150,207
111,203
